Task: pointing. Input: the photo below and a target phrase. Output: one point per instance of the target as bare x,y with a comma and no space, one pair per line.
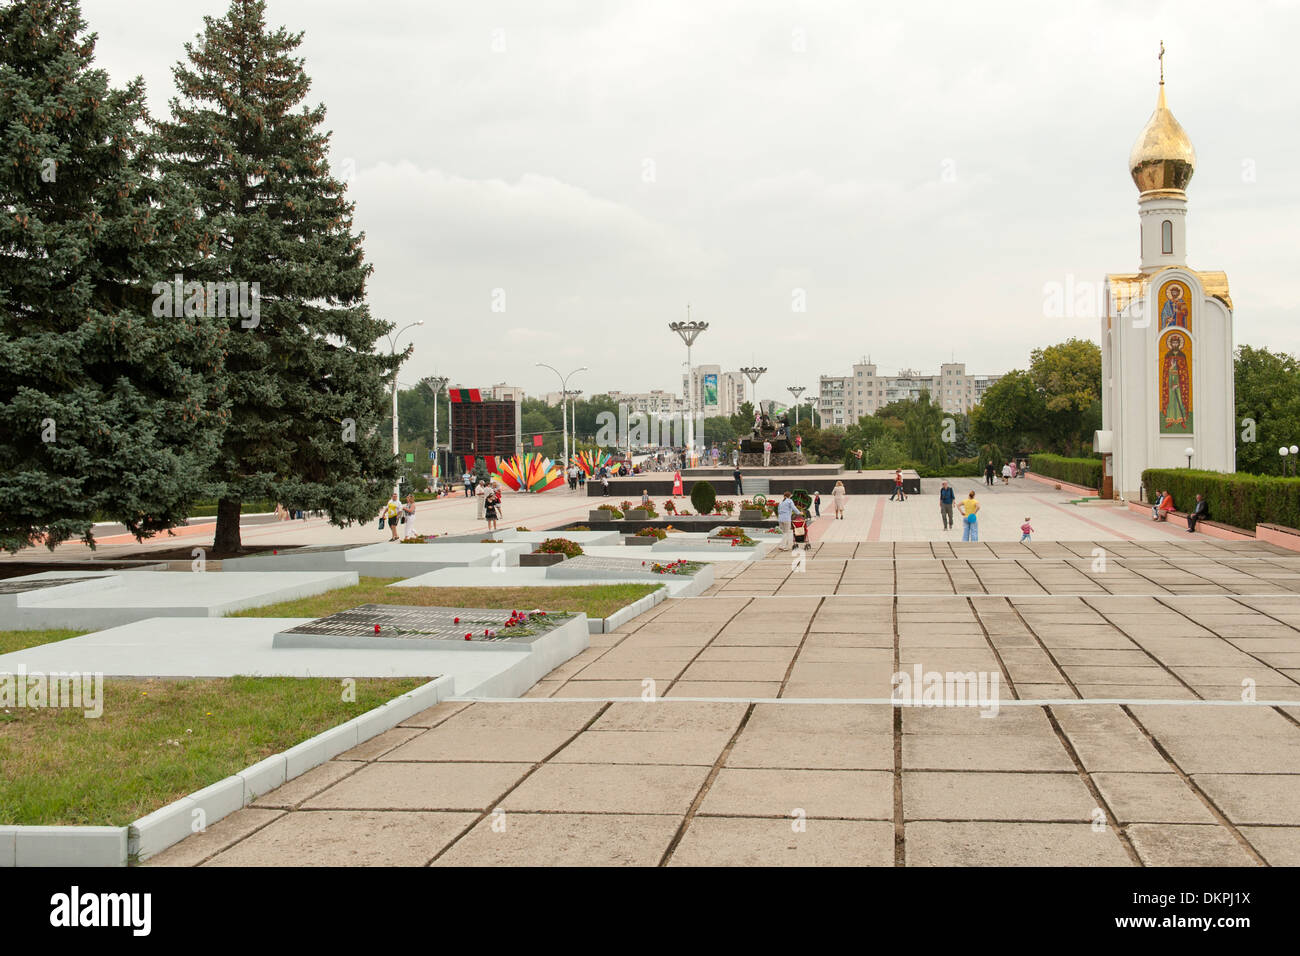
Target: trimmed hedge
1077,471
1239,499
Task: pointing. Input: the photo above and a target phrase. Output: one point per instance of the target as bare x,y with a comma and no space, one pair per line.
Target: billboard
483,428
710,389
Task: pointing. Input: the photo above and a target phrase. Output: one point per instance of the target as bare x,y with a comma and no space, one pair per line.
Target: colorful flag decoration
464,395
532,472
592,461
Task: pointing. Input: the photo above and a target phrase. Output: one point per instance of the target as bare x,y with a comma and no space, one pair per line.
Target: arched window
1167,237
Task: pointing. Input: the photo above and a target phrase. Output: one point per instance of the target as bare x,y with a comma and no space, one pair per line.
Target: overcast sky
919,174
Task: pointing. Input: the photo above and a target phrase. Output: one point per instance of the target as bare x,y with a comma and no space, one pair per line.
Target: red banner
537,441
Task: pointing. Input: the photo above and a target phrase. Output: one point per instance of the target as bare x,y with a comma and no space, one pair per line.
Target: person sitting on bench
1199,513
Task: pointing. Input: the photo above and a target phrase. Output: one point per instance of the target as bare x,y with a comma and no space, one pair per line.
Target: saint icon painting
1175,384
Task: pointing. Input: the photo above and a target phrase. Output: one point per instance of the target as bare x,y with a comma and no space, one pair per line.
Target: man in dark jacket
946,499
988,474
1199,513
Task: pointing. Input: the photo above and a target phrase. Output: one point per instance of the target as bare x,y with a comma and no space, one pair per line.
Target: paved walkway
1138,687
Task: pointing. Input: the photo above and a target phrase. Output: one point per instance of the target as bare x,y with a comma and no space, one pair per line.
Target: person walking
1026,530
988,473
468,480
817,504
392,511
1006,473
898,487
492,508
969,509
677,483
947,497
1200,513
838,494
767,453
604,485
735,476
784,516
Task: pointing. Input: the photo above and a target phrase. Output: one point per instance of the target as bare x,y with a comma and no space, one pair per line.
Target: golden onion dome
1162,157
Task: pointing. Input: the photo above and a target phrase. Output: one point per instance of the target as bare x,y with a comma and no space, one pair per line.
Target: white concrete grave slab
107,599
389,559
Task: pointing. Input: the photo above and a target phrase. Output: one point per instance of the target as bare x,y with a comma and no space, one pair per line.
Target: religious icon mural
1175,383
1175,306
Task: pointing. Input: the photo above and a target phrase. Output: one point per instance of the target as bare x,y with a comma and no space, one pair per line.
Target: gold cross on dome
1161,58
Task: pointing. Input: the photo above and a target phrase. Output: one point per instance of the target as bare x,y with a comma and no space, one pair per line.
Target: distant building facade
843,399
715,392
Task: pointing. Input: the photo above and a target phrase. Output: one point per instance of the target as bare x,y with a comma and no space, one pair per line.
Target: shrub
570,549
521,528
703,496
626,506
731,532
613,512
1239,499
657,533
1077,471
649,509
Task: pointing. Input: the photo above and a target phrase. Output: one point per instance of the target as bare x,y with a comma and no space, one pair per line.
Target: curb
166,826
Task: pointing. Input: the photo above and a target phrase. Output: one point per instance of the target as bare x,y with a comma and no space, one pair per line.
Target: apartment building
843,399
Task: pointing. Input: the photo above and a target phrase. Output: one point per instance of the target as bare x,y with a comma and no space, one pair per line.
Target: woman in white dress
839,494
408,517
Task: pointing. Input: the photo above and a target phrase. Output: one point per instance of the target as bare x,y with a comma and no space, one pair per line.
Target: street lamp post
1284,451
752,374
392,348
1189,451
689,332
796,391
435,384
564,405
573,412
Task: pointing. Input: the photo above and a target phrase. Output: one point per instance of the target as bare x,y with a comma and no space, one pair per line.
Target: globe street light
1189,451
796,391
564,407
689,332
1284,451
392,347
752,374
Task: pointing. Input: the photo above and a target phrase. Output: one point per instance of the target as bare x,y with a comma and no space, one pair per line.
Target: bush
1239,499
613,512
657,533
1077,471
570,549
703,496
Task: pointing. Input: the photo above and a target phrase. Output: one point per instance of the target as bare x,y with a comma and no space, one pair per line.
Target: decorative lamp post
435,384
392,348
752,374
564,405
689,332
1189,451
796,391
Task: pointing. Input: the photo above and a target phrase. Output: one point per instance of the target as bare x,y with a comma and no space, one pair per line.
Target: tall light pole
392,348
752,374
689,332
564,405
796,391
435,384
573,411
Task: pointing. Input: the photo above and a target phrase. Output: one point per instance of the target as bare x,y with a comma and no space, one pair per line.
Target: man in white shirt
784,515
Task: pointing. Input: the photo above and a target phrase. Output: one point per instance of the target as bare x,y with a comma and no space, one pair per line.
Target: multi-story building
656,402
843,399
505,393
715,392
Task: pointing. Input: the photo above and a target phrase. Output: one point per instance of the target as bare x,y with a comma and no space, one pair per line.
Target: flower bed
570,549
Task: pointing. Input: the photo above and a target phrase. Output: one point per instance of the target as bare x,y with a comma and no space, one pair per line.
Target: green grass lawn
11,641
159,740
598,600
